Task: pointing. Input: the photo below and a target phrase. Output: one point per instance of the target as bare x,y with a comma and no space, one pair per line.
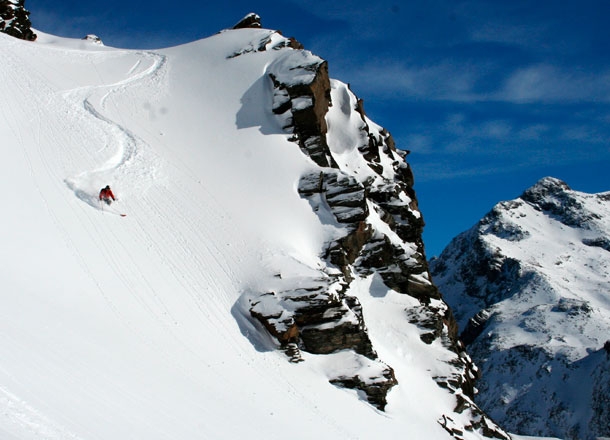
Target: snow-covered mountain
261,274
530,287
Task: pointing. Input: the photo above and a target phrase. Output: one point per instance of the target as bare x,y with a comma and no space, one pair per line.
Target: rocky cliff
529,286
361,186
14,20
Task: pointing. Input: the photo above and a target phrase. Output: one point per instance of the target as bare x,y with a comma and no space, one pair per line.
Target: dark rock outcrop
556,198
251,20
361,184
601,242
376,387
93,39
322,319
397,257
303,97
343,193
476,326
14,20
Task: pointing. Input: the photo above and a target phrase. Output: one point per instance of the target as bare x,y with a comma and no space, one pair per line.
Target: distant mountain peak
547,186
14,20
529,284
557,199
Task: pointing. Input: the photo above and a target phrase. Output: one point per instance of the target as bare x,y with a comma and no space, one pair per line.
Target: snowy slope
530,287
135,327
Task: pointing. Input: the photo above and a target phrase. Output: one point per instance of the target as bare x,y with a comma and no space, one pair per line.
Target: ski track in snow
131,152
130,158
27,421
153,229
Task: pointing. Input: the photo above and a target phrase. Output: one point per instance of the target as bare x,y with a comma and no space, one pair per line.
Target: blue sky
489,96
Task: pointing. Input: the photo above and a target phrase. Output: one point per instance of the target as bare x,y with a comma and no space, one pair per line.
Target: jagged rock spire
14,20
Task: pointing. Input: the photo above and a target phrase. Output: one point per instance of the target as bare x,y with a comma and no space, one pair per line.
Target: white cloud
550,84
495,130
441,59
457,125
533,132
511,34
583,135
422,143
458,83
438,82
463,145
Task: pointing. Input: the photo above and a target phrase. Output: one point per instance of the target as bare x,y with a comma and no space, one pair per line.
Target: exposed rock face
14,20
251,20
361,186
555,198
528,285
321,321
376,387
301,98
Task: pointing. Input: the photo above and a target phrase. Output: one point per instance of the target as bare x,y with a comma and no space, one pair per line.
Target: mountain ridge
309,105
249,231
529,287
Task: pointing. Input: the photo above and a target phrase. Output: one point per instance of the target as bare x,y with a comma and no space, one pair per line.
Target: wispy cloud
534,132
540,83
496,129
552,84
462,145
501,88
470,51
494,30
436,82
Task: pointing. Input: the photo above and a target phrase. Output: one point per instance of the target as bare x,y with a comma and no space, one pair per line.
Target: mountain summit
529,285
261,273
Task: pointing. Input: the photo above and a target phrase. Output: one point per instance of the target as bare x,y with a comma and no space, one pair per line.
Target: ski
111,210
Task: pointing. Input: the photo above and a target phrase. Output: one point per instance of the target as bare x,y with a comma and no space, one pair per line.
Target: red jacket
106,193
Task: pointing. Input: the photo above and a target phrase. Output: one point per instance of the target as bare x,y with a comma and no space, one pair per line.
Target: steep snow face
138,327
530,287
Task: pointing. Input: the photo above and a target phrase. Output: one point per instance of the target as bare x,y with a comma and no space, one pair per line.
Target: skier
106,195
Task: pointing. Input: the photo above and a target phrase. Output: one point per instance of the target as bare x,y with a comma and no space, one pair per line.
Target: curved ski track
130,156
134,167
